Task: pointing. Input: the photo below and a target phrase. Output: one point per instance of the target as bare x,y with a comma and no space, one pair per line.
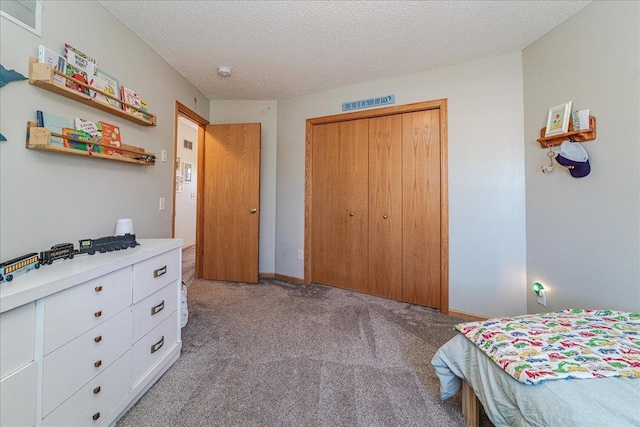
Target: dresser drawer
75,323
74,299
91,345
96,399
151,311
18,397
17,338
90,365
155,273
151,348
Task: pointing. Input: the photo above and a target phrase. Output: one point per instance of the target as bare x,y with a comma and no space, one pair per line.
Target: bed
546,370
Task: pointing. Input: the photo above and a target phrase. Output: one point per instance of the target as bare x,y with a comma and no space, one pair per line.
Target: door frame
439,104
182,110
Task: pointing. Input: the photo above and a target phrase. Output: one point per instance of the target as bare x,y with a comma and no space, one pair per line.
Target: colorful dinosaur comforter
571,343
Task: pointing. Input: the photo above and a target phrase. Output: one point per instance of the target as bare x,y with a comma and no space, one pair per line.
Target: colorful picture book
130,96
55,124
109,84
58,62
81,67
111,136
94,130
78,134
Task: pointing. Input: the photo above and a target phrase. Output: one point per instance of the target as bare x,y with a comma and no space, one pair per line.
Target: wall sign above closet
371,102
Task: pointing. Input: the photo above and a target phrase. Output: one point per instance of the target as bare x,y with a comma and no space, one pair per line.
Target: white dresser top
63,274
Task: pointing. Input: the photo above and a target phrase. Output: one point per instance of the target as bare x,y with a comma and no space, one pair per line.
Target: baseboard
468,316
266,275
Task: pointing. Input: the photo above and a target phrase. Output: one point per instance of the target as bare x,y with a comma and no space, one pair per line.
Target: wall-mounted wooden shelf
41,75
40,139
574,135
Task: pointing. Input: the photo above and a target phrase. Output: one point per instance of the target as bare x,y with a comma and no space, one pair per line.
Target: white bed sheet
600,402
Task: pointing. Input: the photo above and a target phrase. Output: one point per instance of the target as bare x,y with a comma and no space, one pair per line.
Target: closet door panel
339,244
421,243
385,206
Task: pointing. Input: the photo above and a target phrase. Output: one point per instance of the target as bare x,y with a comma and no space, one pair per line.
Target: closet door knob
253,210
384,216
351,214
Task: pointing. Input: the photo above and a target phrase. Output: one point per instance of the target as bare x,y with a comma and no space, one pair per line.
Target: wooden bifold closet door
375,223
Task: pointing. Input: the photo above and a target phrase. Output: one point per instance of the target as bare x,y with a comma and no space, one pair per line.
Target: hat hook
551,155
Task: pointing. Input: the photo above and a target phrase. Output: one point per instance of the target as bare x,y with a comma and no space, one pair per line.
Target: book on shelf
107,83
143,106
111,136
55,124
57,62
81,67
131,97
94,130
78,134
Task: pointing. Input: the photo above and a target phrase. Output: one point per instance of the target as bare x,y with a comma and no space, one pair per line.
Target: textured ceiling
281,49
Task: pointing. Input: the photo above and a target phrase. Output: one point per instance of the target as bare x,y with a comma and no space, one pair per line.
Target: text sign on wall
371,102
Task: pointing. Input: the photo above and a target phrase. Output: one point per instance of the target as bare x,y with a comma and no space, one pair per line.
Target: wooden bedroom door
385,206
421,204
231,202
340,204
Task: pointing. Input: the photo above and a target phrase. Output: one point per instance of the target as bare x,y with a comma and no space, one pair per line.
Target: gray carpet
284,354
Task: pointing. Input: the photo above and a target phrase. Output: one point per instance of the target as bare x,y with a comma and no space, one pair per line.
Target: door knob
253,210
351,214
384,216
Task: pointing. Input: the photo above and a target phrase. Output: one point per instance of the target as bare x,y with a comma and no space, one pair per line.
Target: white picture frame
558,119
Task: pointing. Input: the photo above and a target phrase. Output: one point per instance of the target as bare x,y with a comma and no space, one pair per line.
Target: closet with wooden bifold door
375,217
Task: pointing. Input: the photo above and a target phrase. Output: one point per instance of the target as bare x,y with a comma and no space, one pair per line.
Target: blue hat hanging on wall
573,156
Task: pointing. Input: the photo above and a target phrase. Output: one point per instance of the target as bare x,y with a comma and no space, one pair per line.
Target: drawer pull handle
158,308
96,390
98,338
98,364
157,346
96,416
98,313
159,272
99,288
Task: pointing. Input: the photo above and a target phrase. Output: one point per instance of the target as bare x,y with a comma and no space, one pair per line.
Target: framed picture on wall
558,119
187,172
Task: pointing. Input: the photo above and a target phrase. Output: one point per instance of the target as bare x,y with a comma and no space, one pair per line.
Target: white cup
124,226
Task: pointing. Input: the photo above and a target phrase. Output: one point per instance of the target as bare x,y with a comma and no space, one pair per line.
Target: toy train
19,265
22,264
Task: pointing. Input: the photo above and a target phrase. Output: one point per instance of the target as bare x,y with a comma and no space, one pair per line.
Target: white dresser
82,340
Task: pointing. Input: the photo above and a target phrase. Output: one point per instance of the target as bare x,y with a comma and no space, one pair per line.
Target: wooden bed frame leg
470,406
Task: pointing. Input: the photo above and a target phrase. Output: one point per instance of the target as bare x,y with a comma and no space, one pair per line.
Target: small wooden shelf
41,75
574,135
40,139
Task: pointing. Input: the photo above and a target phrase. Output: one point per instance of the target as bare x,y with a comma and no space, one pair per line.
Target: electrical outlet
542,297
300,254
161,204
164,155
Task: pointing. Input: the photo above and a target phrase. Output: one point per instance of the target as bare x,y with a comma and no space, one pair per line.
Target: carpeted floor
284,354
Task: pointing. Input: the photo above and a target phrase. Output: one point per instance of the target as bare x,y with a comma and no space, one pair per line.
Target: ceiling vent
26,13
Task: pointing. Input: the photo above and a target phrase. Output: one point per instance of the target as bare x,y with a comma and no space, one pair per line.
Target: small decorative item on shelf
558,119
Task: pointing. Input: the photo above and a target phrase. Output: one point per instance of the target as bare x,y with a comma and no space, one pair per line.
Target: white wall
185,219
486,177
50,198
266,113
583,234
